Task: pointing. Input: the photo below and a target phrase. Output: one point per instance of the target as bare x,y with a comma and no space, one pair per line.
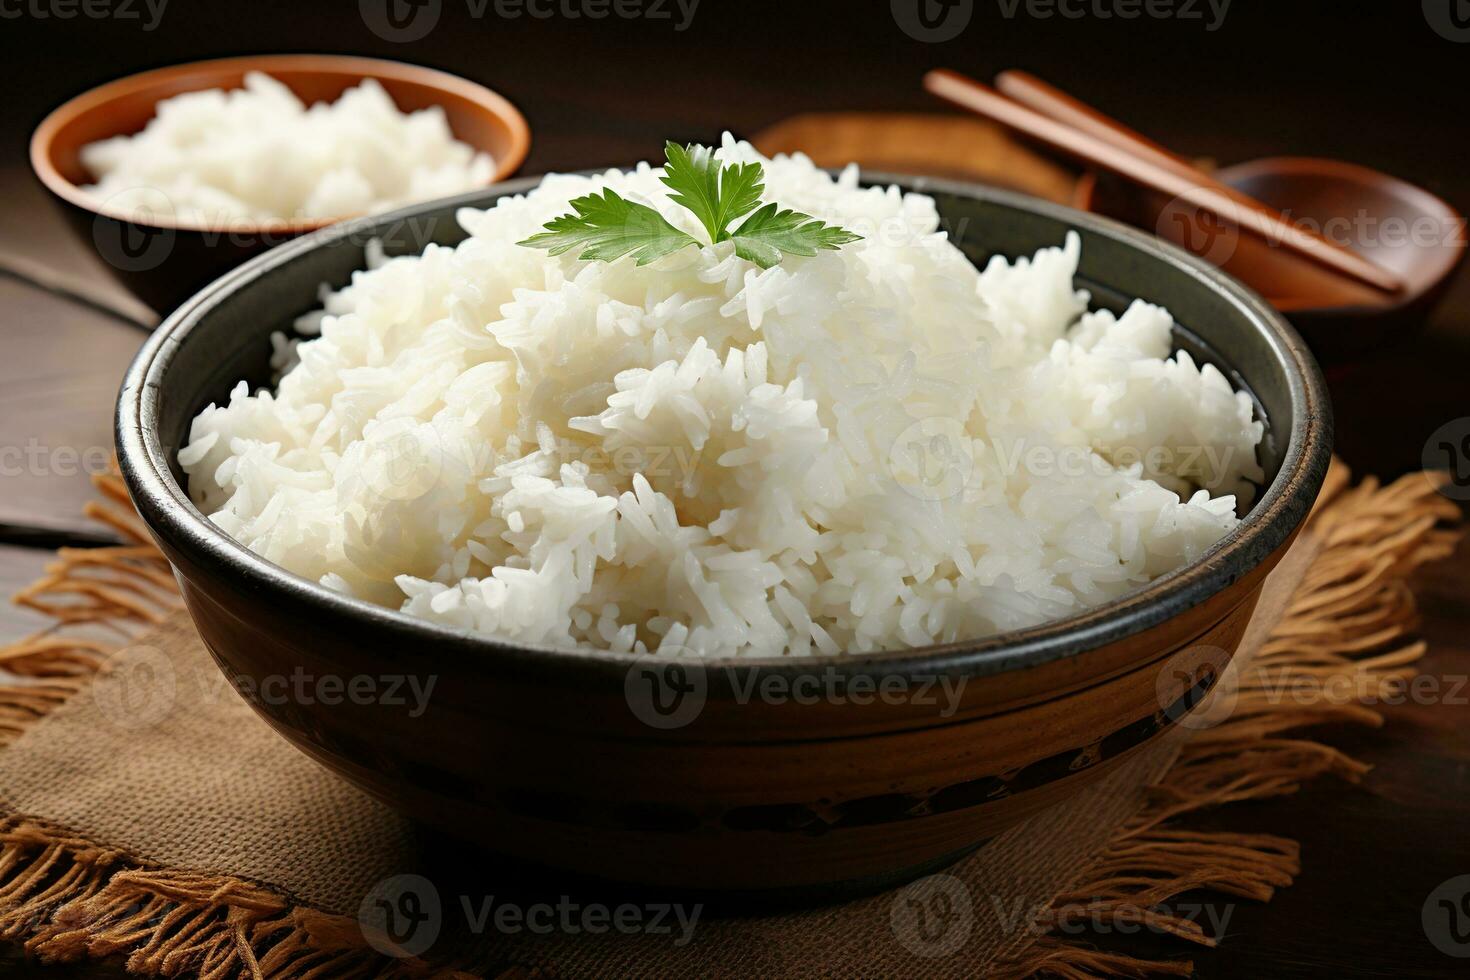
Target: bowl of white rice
803,579
178,174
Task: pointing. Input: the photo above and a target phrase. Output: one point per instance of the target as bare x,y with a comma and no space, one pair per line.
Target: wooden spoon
1389,221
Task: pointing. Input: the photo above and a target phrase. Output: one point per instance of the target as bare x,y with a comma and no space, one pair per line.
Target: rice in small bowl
233,171
259,154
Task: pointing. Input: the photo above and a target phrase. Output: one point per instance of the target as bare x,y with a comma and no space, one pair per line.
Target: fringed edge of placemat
108,594
67,898
1347,628
1346,635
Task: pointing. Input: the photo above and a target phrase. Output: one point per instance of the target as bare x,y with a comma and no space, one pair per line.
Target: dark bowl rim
1271,522
44,135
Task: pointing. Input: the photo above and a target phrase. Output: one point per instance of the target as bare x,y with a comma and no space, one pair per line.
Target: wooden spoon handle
1053,103
1194,189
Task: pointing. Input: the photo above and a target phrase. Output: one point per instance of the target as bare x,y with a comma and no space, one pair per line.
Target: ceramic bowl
695,775
163,261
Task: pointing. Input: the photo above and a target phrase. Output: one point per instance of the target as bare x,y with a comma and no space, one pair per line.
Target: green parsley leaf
765,235
714,195
607,227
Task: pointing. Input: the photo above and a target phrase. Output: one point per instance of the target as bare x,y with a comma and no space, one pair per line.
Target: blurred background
1227,80
1376,83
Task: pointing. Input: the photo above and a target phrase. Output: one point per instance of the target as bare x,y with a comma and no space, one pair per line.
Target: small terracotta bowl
164,261
1378,216
673,773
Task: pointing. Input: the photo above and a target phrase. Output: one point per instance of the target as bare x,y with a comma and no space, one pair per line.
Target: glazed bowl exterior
799,776
163,261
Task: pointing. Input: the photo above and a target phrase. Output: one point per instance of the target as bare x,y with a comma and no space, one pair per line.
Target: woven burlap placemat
148,813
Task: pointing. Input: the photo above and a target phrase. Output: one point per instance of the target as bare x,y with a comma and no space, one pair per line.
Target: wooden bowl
564,759
164,261
1386,220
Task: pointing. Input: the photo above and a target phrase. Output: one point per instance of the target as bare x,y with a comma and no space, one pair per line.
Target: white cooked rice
873,448
258,154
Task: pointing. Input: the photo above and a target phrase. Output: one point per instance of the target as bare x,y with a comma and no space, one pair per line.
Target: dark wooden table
1321,80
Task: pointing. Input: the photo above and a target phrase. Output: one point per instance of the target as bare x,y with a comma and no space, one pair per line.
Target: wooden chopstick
1192,187
1052,102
